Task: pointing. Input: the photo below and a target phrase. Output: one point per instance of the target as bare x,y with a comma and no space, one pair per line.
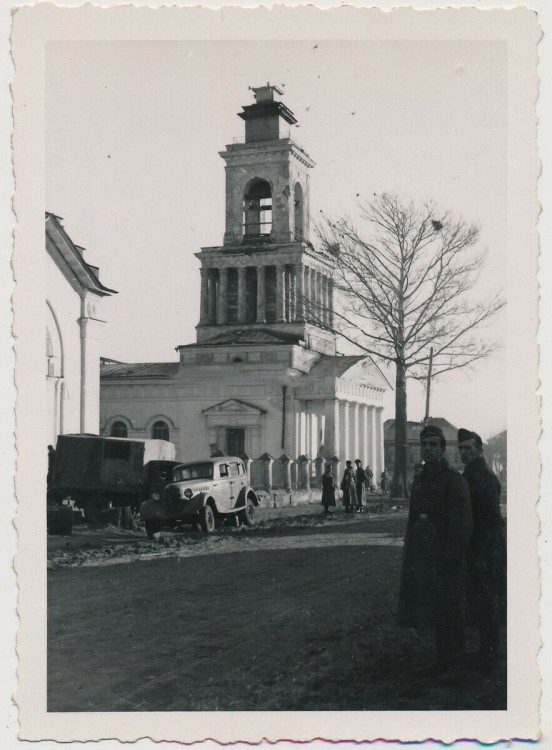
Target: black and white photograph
285,316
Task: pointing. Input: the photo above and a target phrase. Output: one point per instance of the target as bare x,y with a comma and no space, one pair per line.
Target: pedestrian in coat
383,483
369,478
486,554
328,489
438,532
360,482
348,487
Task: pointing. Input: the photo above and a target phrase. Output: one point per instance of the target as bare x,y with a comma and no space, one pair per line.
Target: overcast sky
133,132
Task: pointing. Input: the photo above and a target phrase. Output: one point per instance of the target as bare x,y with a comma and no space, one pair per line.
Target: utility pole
428,385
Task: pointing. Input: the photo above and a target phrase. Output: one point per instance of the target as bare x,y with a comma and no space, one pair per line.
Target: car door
221,488
237,481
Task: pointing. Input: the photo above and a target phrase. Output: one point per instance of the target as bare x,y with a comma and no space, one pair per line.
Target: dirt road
296,614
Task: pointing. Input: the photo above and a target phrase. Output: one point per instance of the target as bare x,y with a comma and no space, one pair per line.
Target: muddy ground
297,613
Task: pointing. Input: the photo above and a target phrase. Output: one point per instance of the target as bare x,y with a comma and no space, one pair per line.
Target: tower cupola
268,119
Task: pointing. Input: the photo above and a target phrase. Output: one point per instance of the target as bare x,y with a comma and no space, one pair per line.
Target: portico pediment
233,406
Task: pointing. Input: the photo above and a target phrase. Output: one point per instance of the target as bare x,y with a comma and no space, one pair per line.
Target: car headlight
188,493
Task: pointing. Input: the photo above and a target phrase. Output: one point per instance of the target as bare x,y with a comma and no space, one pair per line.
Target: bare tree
403,287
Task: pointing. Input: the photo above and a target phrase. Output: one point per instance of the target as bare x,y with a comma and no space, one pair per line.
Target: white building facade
73,335
263,377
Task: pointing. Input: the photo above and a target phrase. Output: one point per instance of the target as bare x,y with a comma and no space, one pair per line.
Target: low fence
268,473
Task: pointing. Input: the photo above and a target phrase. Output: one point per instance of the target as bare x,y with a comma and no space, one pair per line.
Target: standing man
438,532
486,555
360,480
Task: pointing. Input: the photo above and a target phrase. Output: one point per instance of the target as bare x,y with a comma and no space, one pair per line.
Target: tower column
313,295
212,297
261,314
307,293
299,294
325,301
204,303
280,294
330,303
241,294
292,295
222,296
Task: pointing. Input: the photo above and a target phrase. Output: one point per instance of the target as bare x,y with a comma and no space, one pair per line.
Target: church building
263,377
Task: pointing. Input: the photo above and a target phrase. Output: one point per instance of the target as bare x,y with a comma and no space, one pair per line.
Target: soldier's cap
432,430
469,435
358,461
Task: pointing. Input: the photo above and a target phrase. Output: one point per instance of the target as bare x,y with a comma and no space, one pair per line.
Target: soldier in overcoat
438,532
486,554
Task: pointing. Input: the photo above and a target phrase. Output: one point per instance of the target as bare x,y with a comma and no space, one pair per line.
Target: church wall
63,306
138,406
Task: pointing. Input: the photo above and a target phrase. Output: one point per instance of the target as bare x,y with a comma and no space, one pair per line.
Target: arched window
299,212
118,429
257,209
160,430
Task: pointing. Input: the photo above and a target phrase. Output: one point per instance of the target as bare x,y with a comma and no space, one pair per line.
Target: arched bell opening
257,210
299,212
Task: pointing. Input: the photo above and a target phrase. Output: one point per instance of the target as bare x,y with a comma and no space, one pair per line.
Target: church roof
336,367
139,370
76,268
247,336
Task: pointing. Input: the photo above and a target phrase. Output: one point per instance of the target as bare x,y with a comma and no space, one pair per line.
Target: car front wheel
207,519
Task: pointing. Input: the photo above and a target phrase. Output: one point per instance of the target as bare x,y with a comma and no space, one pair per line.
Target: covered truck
103,472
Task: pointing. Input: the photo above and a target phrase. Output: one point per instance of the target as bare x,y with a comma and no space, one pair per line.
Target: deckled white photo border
33,27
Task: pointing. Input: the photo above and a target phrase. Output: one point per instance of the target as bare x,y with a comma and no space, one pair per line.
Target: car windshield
193,471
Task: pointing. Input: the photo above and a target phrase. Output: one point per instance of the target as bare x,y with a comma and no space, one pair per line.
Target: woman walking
348,485
328,489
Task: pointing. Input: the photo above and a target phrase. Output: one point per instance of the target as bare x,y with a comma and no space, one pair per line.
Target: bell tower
266,273
267,182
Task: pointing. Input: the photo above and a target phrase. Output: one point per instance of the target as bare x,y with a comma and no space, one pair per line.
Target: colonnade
265,294
346,429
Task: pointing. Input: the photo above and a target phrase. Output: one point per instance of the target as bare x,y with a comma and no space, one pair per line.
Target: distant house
73,335
496,455
413,430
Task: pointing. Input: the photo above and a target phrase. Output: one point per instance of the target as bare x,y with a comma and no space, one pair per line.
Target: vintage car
205,493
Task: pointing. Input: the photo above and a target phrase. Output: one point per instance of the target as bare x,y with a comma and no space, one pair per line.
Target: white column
241,294
261,313
313,447
297,431
373,443
364,443
344,424
379,433
355,430
222,296
331,437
